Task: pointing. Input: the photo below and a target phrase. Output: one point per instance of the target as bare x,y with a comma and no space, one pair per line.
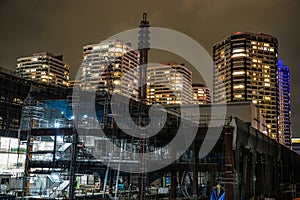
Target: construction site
60,163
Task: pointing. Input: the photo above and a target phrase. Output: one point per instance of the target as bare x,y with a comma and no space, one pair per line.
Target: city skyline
207,22
102,134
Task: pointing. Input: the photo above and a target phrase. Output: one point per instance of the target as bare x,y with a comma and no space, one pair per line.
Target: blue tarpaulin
215,196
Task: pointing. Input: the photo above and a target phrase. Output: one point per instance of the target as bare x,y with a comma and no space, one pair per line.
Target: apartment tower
110,66
45,68
169,83
284,105
246,63
201,94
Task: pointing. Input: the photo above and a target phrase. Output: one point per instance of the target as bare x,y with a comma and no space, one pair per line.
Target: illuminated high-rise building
44,67
74,83
201,94
169,83
246,63
296,145
284,105
110,66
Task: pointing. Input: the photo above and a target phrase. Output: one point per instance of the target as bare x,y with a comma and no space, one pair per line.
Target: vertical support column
277,176
212,180
195,183
141,186
142,176
54,149
229,162
27,170
111,180
173,185
248,175
281,172
253,174
263,176
195,160
73,165
268,173
179,178
259,180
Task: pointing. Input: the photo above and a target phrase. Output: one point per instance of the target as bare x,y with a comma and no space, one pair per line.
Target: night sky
64,27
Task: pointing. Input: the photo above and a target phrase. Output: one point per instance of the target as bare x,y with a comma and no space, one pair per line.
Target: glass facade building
284,105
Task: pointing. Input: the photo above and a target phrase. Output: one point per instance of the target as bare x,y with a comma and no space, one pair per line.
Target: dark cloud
63,27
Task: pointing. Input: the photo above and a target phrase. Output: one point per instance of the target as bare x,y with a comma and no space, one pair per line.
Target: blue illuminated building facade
284,105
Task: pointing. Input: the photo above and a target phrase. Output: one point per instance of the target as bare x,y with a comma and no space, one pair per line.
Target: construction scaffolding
245,161
62,163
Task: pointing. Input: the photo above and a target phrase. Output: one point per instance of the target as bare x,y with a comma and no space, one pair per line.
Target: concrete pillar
173,185
195,183
248,175
259,176
253,174
228,139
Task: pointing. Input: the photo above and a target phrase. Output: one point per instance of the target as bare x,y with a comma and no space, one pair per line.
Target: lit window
238,55
241,86
238,50
238,73
117,82
267,98
222,54
238,96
